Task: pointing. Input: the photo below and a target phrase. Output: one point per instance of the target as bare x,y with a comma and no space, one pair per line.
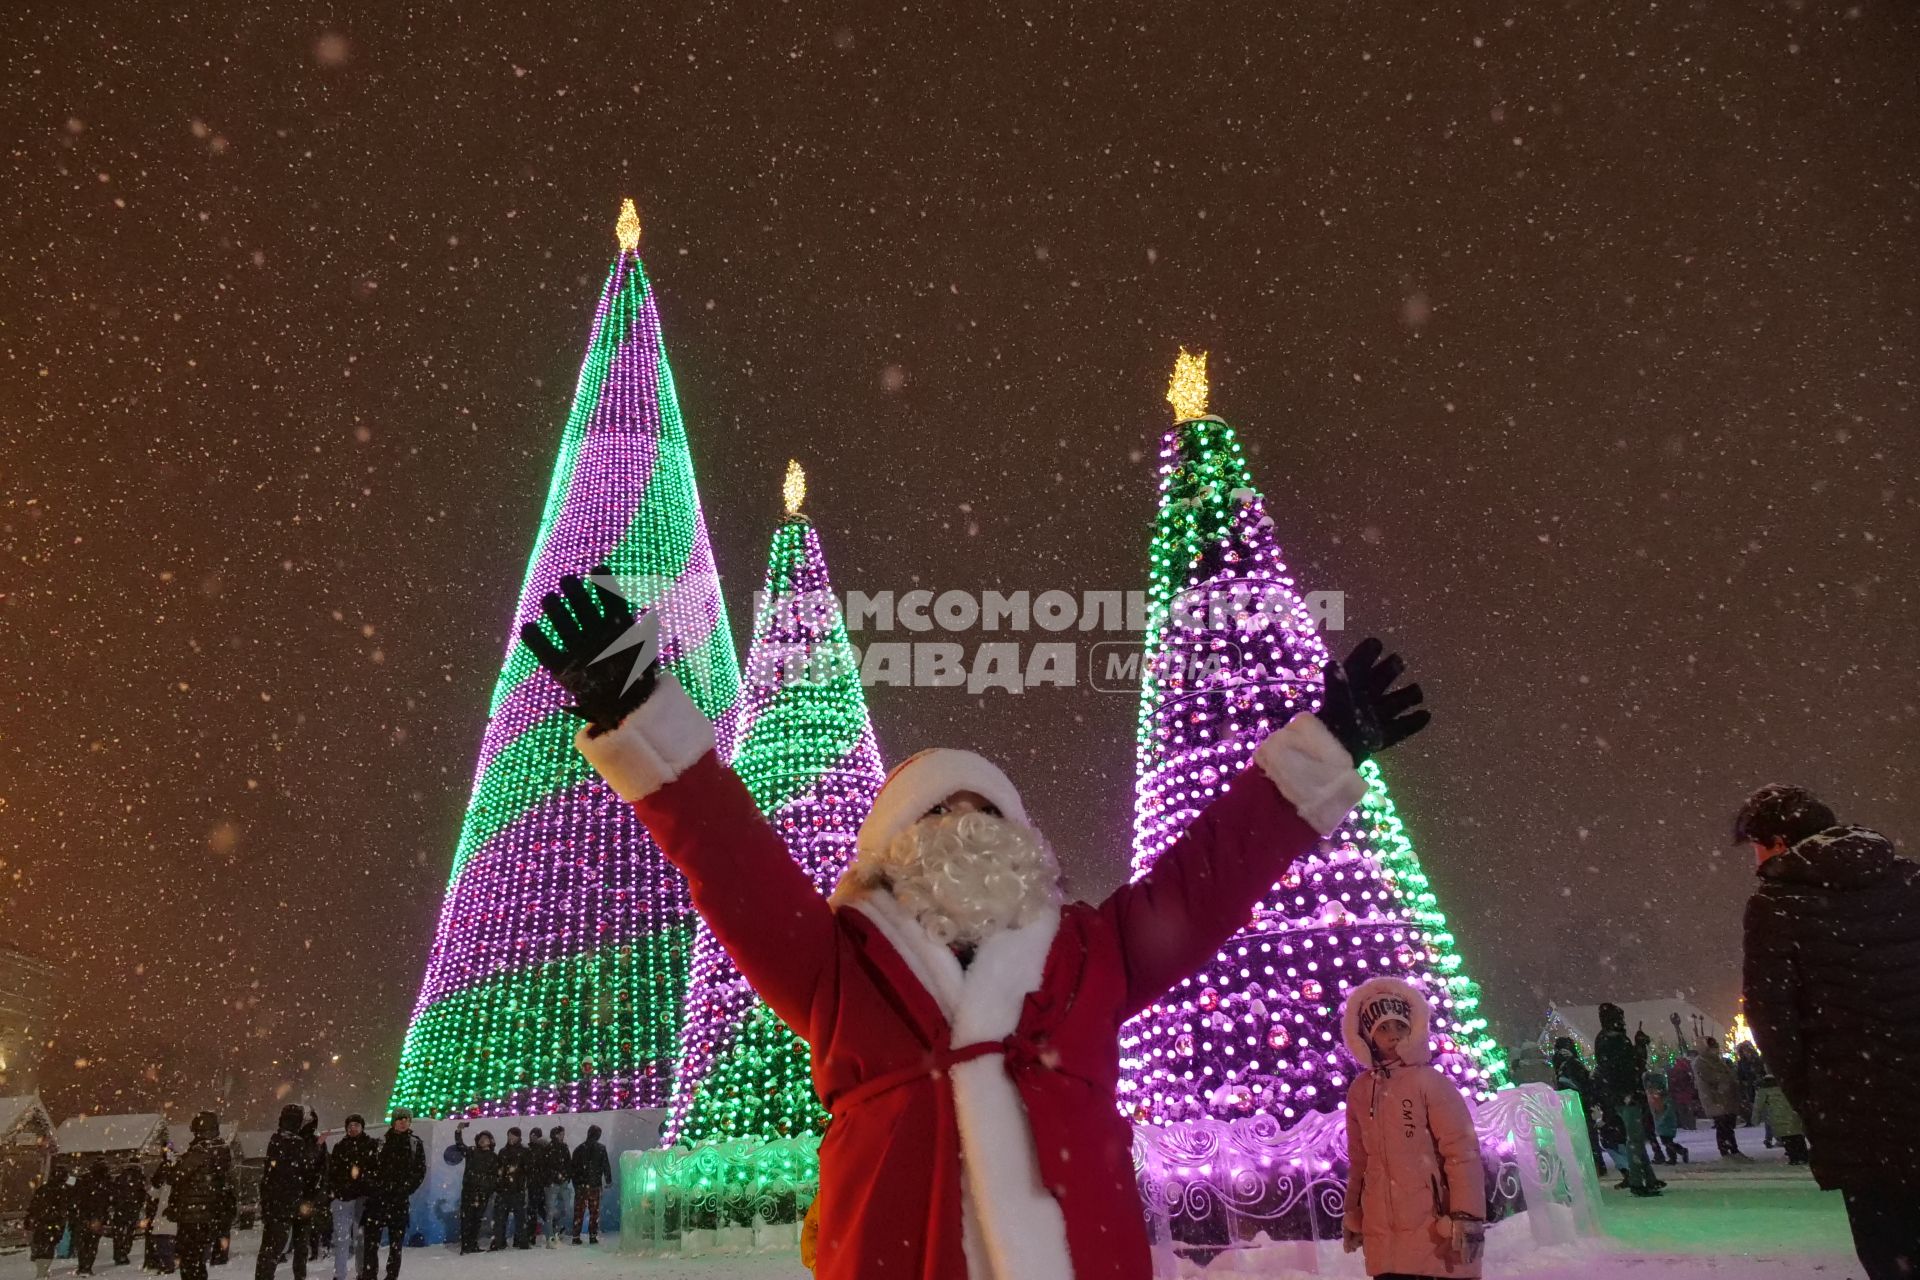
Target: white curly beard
966,876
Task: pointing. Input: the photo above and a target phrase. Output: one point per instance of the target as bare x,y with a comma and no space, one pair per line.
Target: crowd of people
1636,1106
310,1199
184,1211
347,1200
530,1189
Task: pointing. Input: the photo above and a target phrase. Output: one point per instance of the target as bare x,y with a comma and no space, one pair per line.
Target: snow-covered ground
1718,1219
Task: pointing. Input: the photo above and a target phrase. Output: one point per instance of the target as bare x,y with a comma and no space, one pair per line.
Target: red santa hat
922,781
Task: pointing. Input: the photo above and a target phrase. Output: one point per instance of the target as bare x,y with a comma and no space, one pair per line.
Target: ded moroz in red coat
975,1134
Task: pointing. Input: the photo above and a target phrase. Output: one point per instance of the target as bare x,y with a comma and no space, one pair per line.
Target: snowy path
1718,1220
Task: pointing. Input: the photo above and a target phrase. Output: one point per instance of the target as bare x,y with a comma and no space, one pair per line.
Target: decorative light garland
808,756
559,963
1231,655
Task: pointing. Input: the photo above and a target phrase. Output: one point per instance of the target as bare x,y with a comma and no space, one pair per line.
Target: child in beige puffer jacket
1416,1190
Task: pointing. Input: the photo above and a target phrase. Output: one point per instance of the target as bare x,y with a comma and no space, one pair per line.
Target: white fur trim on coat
1007,1214
662,738
1378,998
1313,771
923,780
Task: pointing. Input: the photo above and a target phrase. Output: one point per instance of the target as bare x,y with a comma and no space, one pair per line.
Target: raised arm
1303,782
1301,785
656,749
756,899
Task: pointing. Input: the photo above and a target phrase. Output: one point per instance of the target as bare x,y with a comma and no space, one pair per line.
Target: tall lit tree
807,755
559,964
1231,654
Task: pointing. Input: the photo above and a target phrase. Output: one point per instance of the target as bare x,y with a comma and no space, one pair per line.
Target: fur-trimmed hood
923,780
1379,998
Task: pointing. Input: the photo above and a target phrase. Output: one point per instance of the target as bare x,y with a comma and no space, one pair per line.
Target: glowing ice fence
1209,1187
748,1195
1215,1187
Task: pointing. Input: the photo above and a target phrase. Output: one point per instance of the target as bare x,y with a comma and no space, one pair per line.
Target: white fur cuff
661,740
1313,771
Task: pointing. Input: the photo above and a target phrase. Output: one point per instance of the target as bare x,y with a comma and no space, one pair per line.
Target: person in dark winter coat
313,1197
592,1173
228,1212
1833,978
350,1174
1569,1072
536,1183
46,1222
401,1168
1620,1073
1748,1067
558,1177
199,1203
129,1206
92,1209
477,1183
285,1214
510,1194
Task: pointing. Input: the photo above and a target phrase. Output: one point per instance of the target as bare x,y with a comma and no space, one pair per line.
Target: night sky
1575,342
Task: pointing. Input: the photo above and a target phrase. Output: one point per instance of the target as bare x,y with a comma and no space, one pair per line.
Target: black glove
605,659
1358,706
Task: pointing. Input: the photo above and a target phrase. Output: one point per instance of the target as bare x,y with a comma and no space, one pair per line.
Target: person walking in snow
1416,1190
129,1206
1620,1072
960,1012
1770,1106
1664,1119
1719,1097
350,1175
477,1182
46,1222
283,1192
398,1172
1832,990
592,1173
92,1208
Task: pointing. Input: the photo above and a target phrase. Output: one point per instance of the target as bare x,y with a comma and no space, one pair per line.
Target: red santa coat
975,1134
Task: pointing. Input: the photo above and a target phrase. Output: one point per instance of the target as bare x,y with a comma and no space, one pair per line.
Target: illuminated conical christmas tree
1232,654
559,964
807,755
